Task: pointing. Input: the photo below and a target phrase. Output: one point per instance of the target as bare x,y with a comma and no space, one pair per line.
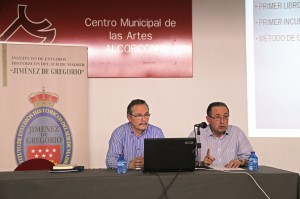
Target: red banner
133,38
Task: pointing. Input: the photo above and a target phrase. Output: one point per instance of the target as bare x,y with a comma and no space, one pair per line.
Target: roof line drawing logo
40,29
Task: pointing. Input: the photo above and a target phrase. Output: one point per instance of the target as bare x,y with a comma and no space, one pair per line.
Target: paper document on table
64,166
222,168
74,169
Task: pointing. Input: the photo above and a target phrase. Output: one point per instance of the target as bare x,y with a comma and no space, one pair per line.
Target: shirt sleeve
154,132
160,134
114,149
245,146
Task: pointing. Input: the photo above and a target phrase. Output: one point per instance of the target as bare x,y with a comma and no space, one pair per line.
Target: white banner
43,104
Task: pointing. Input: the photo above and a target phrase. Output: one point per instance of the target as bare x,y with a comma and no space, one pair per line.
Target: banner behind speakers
43,104
136,38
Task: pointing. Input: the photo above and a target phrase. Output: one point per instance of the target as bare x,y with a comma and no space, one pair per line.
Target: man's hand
137,163
208,159
233,164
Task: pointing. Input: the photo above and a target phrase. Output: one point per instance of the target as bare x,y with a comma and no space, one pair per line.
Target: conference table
107,184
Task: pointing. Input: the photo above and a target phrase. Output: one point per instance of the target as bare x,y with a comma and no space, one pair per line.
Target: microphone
201,125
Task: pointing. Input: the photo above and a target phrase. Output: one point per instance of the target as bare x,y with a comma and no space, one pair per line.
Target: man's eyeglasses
219,117
140,116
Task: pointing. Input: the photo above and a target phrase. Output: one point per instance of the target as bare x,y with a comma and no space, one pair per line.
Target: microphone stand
198,133
197,145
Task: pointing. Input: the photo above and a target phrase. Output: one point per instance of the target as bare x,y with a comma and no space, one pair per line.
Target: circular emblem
44,133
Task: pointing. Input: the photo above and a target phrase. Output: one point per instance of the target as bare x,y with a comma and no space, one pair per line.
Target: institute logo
44,132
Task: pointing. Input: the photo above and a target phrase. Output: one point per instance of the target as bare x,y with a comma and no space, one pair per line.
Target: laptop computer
169,154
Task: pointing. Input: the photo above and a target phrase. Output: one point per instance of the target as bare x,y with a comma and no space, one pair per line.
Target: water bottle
121,165
253,162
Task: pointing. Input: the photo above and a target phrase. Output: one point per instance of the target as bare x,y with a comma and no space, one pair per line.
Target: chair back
35,164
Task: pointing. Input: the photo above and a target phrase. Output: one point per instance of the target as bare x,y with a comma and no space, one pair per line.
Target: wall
176,104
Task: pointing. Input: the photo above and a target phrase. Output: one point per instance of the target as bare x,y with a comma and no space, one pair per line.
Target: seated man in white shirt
222,144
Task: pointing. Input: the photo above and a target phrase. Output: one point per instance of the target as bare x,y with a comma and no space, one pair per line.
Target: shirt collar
210,134
132,133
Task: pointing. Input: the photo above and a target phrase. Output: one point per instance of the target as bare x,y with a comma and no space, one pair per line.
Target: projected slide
273,68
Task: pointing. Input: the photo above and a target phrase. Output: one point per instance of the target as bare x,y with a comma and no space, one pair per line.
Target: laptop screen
169,154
